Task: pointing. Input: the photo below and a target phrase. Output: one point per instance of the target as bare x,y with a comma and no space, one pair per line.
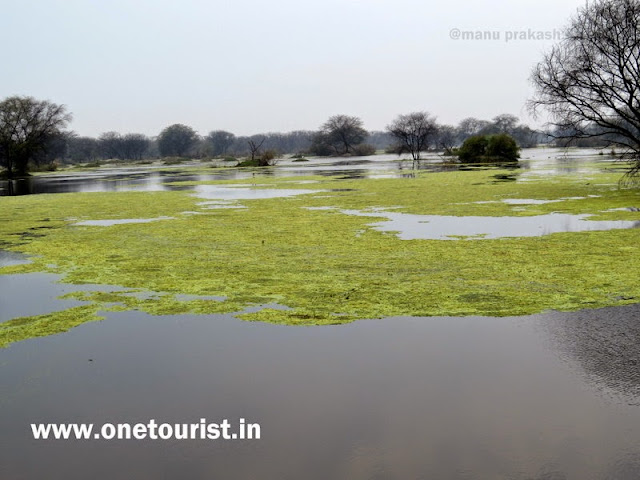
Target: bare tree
27,128
505,123
470,126
254,147
446,138
592,77
413,132
340,134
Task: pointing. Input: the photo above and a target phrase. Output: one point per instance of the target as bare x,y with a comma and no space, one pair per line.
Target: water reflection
459,398
442,227
29,294
559,161
106,179
604,346
241,192
8,258
120,221
111,181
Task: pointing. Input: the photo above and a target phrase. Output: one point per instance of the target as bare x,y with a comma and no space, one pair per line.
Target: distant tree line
341,135
177,141
32,133
414,133
44,141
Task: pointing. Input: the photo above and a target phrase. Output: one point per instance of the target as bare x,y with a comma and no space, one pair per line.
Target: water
120,221
442,227
28,294
111,180
535,161
547,397
240,192
12,258
459,398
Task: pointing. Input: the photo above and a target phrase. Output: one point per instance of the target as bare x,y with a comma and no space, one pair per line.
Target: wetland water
439,227
548,396
554,396
539,161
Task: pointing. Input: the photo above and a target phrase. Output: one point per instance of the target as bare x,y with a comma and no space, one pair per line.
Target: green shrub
266,159
489,148
473,149
502,147
247,162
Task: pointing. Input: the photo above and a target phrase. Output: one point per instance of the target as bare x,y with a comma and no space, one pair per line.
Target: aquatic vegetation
48,324
326,266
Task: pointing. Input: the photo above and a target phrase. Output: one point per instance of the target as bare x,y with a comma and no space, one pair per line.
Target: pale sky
252,66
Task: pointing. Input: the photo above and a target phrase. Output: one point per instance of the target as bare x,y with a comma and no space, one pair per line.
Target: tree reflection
605,346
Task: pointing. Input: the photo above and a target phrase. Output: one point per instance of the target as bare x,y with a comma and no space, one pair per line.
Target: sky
249,66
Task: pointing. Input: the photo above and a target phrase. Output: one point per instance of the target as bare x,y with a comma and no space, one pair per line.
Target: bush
174,160
248,163
363,150
489,148
473,149
320,146
268,158
394,149
45,167
502,147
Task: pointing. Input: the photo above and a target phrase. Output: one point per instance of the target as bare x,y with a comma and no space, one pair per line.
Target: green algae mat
305,262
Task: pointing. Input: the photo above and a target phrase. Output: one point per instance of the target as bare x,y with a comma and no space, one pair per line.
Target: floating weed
49,324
